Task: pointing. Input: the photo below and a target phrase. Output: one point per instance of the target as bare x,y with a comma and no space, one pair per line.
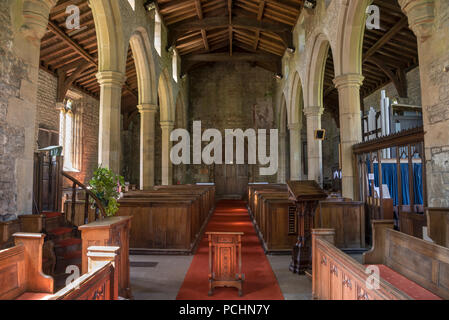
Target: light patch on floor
161,281
293,286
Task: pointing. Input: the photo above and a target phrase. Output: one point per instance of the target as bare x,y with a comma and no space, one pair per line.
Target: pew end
101,282
33,244
376,254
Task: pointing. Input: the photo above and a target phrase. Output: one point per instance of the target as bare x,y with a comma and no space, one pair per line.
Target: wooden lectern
225,260
307,195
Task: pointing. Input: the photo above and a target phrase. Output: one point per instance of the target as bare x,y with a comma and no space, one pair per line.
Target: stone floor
162,281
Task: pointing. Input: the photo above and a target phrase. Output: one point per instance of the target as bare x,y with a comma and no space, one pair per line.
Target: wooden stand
112,231
223,261
306,195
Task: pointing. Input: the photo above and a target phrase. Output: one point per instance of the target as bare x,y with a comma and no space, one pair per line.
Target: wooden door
231,180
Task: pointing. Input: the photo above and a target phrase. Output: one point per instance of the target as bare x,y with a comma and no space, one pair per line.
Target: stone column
348,86
282,172
295,151
167,168
314,150
111,83
421,16
147,134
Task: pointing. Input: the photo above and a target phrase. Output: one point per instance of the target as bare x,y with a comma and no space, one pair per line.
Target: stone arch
165,94
145,66
320,50
349,49
296,100
180,112
284,142
111,44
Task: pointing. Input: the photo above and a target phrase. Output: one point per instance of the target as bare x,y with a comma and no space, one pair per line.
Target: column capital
111,78
348,80
313,111
146,107
35,18
421,16
167,124
294,126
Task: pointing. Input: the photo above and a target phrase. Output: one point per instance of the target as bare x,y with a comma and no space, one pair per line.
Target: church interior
224,150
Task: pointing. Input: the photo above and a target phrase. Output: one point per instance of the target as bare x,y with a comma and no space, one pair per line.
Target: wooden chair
225,260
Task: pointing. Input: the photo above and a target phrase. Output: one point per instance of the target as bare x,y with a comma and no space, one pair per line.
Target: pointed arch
165,94
297,100
109,27
317,67
145,66
352,26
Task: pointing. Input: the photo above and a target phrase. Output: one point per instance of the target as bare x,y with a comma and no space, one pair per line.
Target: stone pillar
295,151
111,83
147,135
314,150
421,16
282,172
348,86
167,168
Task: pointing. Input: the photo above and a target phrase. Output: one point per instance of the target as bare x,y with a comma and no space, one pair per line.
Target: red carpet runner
260,282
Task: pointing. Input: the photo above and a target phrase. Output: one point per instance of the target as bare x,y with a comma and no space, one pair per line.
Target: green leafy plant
105,185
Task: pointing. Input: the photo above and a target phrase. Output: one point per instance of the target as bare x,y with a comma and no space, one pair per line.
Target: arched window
70,136
175,65
158,33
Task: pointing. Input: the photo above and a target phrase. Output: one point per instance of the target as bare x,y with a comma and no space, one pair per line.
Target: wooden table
112,231
225,260
306,195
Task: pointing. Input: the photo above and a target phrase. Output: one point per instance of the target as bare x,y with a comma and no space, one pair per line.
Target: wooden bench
438,225
410,268
99,283
21,276
162,224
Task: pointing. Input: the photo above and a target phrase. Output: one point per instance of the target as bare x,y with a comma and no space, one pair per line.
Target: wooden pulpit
307,195
225,260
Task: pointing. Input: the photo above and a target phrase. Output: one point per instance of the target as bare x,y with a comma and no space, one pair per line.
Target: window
157,33
69,136
175,65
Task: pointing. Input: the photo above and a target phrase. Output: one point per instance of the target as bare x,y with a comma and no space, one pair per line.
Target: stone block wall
230,96
48,118
413,92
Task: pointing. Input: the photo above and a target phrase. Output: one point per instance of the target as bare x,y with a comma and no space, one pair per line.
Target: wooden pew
438,225
199,212
111,231
411,222
21,274
347,217
410,268
101,282
161,225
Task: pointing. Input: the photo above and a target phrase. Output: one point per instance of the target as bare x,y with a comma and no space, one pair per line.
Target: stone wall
329,145
227,96
17,85
413,92
48,118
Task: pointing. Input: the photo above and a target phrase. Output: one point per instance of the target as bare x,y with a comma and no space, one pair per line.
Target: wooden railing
77,185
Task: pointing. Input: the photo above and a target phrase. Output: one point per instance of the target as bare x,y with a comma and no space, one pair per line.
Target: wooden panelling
347,218
438,225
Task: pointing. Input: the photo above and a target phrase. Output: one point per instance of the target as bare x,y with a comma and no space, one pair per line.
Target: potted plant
106,185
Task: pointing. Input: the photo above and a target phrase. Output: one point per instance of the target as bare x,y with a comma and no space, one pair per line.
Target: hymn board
307,195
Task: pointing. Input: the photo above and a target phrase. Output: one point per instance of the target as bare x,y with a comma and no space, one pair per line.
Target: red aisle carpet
260,282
